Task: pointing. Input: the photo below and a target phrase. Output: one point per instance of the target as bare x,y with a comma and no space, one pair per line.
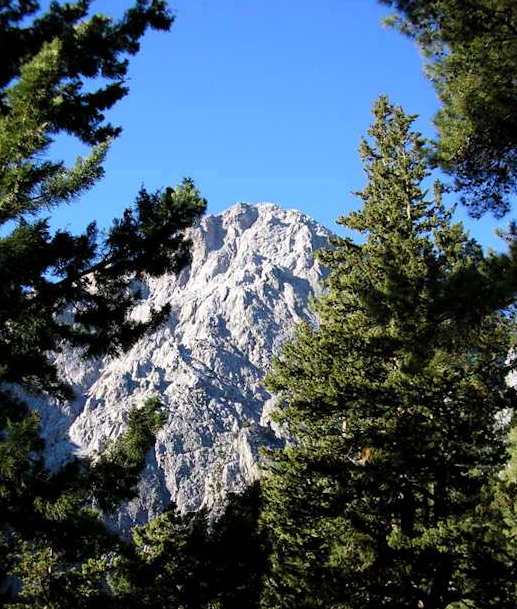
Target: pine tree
60,554
393,405
194,562
60,290
471,54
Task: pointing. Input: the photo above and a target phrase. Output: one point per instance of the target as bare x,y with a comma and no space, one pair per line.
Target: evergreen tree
58,550
60,289
194,562
471,51
393,404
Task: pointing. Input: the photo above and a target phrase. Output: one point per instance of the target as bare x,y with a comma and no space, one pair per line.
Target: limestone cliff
252,275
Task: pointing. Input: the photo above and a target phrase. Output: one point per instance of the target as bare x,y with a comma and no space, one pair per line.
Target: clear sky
258,100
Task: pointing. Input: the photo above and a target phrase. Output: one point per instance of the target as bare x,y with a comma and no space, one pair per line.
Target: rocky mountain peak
252,275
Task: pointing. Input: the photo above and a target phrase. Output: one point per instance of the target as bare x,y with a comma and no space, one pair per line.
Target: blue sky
257,100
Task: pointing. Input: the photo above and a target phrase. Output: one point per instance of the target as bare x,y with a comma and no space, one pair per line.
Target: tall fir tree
393,405
61,70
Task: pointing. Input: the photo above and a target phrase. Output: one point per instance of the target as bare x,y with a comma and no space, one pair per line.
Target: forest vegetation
397,487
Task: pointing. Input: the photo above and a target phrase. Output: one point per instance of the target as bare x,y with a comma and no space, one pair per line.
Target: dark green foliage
393,403
55,543
46,279
115,474
61,70
60,287
92,46
471,50
239,552
189,562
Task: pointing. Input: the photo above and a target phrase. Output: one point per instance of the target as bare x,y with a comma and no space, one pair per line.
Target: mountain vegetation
195,562
396,486
58,288
394,404
471,58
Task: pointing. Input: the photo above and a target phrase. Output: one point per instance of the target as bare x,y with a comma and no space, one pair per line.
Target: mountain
250,281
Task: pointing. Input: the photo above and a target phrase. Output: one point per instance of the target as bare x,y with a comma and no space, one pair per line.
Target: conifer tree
471,55
58,289
194,562
58,551
393,405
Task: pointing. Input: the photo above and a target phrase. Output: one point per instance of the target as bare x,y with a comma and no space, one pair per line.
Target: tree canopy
390,491
471,52
393,403
62,69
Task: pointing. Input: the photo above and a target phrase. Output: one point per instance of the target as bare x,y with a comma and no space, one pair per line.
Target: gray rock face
251,278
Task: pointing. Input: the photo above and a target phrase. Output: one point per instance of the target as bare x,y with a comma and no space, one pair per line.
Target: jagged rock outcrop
252,275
